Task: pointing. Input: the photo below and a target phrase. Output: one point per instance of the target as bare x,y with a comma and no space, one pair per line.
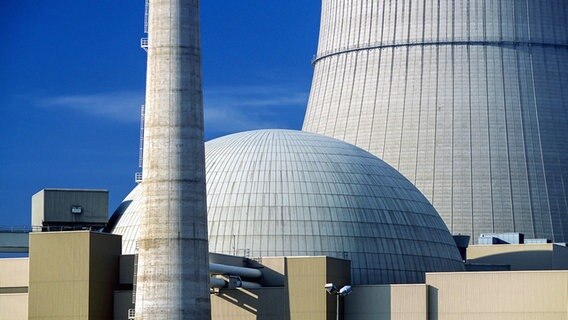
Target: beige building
14,289
514,295
82,275
545,256
297,291
72,275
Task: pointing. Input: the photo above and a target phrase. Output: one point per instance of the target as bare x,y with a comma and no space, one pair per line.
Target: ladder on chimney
138,175
144,40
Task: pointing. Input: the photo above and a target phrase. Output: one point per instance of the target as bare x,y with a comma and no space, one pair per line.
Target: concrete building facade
14,284
72,275
546,256
81,275
515,295
466,98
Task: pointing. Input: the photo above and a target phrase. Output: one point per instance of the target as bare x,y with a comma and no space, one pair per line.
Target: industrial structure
83,275
172,265
465,98
292,193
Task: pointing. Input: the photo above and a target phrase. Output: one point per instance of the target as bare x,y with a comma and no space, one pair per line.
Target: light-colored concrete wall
301,297
521,256
387,302
72,275
14,306
14,273
306,279
409,302
516,295
38,208
245,304
59,275
14,288
274,271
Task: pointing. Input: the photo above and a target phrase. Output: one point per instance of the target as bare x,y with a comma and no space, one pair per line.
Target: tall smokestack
172,276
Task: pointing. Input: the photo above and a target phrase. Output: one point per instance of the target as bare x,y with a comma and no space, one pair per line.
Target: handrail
19,229
144,43
28,229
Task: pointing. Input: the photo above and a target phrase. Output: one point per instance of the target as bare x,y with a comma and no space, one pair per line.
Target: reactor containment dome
292,193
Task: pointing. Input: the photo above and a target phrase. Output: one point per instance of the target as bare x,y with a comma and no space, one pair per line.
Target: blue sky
72,78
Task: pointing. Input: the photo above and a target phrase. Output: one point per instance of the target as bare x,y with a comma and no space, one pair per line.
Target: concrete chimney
172,274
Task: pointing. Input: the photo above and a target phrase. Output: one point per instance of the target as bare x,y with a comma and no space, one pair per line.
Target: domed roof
292,193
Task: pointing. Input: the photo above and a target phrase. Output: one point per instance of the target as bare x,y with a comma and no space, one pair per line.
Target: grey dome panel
290,193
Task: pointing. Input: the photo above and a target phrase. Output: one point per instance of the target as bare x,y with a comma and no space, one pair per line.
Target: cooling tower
172,274
467,98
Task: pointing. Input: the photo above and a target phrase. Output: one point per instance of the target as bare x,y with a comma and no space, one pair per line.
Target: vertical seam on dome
417,155
380,51
490,167
468,53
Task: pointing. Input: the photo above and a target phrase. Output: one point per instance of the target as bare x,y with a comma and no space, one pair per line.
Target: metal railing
144,43
19,229
146,15
141,141
28,229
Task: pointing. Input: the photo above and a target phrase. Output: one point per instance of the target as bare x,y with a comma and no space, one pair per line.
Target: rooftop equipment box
70,208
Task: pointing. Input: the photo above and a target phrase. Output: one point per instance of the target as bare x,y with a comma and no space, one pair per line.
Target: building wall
14,273
245,304
73,275
516,295
560,257
105,250
14,306
53,206
388,302
521,257
122,303
465,98
62,288
14,289
301,297
306,279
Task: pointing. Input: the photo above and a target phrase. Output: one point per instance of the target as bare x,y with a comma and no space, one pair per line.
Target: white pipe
216,268
216,282
222,283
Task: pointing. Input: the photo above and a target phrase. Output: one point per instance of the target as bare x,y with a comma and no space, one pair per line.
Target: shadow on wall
265,303
524,260
369,302
269,302
389,302
432,303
